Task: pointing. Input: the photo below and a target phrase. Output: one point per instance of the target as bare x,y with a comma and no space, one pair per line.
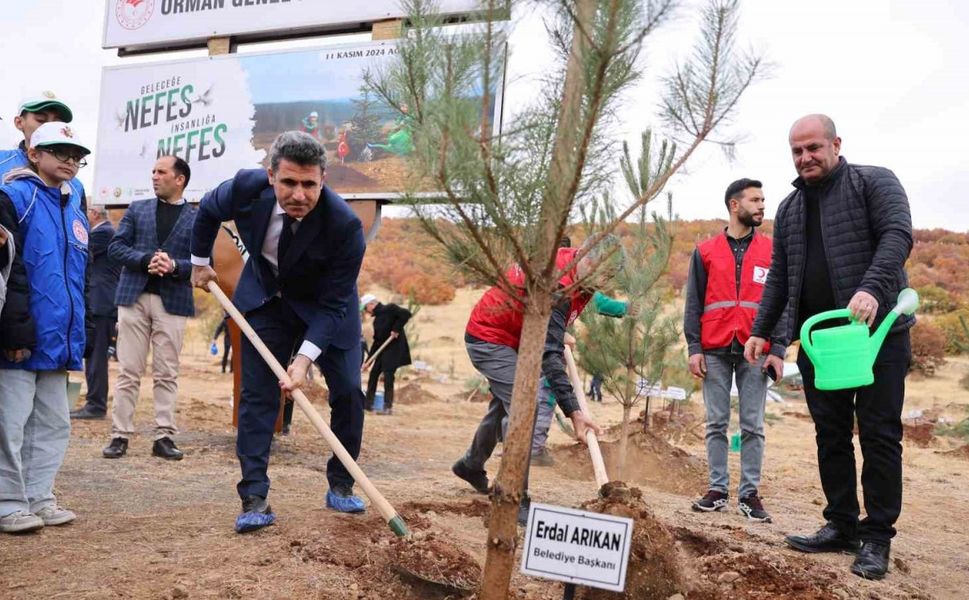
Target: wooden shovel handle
369,362
598,465
383,507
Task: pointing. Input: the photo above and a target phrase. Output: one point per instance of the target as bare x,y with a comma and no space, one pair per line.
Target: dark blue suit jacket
105,272
318,274
137,236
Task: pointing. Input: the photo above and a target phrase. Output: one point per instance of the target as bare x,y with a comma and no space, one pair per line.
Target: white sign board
147,23
674,393
221,114
577,546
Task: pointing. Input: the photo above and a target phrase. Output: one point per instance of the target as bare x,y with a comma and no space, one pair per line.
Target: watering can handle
840,313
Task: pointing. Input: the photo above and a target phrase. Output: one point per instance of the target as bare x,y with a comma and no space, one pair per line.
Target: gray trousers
35,428
497,364
752,387
543,419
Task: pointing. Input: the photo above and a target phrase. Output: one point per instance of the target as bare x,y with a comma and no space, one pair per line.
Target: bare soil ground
151,529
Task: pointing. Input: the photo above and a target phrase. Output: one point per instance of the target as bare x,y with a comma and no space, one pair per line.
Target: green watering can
843,356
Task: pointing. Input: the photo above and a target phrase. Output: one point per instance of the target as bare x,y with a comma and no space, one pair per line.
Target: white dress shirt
270,250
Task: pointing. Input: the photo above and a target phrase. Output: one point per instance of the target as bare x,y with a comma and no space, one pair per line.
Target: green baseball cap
45,100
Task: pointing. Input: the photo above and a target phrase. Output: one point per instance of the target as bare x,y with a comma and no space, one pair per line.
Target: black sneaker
711,501
752,508
165,448
116,449
477,479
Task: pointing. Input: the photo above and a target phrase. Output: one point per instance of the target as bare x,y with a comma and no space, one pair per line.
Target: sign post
577,547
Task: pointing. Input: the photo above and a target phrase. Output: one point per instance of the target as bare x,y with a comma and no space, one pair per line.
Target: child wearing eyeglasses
42,326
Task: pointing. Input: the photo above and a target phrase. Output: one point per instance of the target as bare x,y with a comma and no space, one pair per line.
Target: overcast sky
893,74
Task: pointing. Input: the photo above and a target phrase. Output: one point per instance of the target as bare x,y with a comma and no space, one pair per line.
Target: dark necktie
285,238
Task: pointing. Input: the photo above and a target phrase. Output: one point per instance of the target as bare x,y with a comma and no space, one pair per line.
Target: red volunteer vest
497,317
725,314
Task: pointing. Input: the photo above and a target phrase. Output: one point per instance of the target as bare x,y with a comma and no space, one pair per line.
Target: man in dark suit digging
299,292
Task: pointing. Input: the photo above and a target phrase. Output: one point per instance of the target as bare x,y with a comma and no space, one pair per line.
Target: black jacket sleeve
16,323
553,359
891,224
401,316
773,302
696,291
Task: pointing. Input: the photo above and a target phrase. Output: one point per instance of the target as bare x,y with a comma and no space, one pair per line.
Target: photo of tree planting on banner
222,114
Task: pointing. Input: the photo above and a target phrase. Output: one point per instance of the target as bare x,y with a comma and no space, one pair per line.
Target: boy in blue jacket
42,332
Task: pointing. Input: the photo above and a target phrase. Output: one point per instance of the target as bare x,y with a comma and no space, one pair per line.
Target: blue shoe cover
251,521
347,504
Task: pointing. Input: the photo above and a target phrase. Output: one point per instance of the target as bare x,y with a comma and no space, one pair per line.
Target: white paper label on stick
577,546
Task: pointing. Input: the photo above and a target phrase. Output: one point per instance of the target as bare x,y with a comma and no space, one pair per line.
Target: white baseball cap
45,100
367,299
56,133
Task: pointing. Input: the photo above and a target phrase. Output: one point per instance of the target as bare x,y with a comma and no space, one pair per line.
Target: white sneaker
20,522
55,515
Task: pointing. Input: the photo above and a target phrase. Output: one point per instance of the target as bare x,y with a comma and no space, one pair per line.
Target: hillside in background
405,260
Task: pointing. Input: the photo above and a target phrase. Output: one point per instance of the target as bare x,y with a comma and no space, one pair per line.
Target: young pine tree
509,199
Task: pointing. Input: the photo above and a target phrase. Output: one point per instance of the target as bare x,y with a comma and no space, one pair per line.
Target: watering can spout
908,302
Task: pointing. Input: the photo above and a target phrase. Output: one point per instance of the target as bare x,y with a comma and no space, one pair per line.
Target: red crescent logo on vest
760,274
132,14
80,231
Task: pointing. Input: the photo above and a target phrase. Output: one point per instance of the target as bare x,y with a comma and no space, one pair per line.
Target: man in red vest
492,337
727,276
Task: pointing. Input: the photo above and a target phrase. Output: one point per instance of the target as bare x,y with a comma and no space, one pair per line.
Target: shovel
598,465
394,520
419,555
369,362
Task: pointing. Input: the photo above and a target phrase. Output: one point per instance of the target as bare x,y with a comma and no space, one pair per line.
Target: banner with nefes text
158,23
222,113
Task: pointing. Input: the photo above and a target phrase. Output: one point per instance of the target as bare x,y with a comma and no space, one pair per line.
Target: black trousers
226,352
878,409
375,371
96,366
280,329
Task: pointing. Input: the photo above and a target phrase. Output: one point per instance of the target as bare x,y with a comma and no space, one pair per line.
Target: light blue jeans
35,428
752,388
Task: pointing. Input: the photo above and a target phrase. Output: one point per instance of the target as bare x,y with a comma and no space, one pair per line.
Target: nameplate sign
577,546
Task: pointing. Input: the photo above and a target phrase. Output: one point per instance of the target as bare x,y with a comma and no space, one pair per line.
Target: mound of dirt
650,460
413,393
424,556
960,452
724,567
682,427
653,570
346,178
920,433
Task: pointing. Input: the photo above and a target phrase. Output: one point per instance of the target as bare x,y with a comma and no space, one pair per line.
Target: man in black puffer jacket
841,240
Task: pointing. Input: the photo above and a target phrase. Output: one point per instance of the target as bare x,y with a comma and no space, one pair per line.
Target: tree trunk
629,395
507,492
623,441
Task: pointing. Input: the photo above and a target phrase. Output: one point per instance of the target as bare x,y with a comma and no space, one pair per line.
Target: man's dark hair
298,147
180,167
736,189
565,242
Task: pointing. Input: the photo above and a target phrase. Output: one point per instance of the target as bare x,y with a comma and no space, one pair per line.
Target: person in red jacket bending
492,337
727,277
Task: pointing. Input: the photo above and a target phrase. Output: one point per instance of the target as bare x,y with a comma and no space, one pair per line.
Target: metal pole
569,592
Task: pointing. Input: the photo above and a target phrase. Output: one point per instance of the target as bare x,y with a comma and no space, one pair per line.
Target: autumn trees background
405,260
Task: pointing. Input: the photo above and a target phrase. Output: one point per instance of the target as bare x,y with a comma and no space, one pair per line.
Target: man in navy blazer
298,290
154,301
104,273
